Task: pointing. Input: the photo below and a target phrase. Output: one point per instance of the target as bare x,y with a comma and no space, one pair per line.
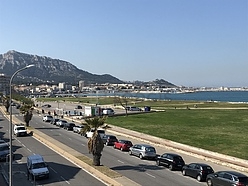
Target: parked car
46,106
109,139
90,133
78,128
61,123
123,145
143,151
227,178
5,152
54,121
108,111
78,107
171,160
133,108
197,170
47,118
69,126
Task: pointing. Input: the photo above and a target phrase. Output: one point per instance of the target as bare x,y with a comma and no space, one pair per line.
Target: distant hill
48,70
54,71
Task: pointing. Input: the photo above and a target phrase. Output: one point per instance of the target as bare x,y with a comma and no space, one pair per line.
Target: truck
20,130
37,167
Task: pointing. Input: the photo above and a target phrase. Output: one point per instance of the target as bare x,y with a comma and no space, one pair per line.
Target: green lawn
222,130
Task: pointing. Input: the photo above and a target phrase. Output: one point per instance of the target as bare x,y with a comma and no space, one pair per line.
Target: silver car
143,151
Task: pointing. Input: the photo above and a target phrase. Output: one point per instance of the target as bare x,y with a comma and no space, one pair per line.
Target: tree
6,103
95,143
27,111
123,101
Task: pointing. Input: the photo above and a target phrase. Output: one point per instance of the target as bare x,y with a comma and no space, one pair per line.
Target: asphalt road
62,171
144,172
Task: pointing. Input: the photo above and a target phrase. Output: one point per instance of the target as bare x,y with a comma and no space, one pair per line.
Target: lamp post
10,123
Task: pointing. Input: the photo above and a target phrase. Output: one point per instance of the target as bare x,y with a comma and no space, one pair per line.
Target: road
62,171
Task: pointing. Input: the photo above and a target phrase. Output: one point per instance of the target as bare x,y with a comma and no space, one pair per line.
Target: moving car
143,151
171,160
197,170
20,130
123,145
37,167
227,178
109,139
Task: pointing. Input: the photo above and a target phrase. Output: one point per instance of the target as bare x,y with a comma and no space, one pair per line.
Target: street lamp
10,123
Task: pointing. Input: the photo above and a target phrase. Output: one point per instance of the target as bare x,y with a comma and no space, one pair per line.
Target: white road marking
83,145
70,139
121,161
65,180
150,175
29,150
23,145
53,170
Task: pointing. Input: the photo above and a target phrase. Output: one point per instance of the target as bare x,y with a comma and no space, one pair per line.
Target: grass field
217,126
220,130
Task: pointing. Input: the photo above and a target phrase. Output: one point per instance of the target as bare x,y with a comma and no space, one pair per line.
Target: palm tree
6,103
27,111
95,143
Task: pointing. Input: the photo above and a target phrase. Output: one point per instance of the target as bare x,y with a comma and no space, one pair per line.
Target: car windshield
150,149
128,142
178,158
20,128
4,148
101,131
39,165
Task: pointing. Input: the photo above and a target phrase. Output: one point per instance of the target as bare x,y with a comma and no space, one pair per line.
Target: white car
90,133
47,118
20,130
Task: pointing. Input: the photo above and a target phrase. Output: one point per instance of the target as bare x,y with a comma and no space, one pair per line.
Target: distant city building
81,85
4,84
62,86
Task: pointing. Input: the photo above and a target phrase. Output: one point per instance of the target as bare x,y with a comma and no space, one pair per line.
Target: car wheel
141,156
106,143
209,182
184,173
158,162
171,167
121,148
114,147
130,153
198,178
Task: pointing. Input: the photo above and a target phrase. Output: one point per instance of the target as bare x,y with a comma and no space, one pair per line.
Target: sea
218,96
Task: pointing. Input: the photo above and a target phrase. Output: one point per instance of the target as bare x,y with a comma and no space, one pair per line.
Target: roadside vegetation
217,126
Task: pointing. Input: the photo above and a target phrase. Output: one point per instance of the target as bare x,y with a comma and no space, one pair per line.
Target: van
36,167
108,111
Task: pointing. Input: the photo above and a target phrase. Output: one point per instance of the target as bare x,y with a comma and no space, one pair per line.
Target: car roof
201,164
172,154
145,145
238,174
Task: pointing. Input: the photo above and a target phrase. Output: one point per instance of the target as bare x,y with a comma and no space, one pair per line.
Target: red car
123,145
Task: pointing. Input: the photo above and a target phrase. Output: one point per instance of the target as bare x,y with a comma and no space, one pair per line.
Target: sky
199,43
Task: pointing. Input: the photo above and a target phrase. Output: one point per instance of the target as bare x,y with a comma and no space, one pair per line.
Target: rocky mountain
48,70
